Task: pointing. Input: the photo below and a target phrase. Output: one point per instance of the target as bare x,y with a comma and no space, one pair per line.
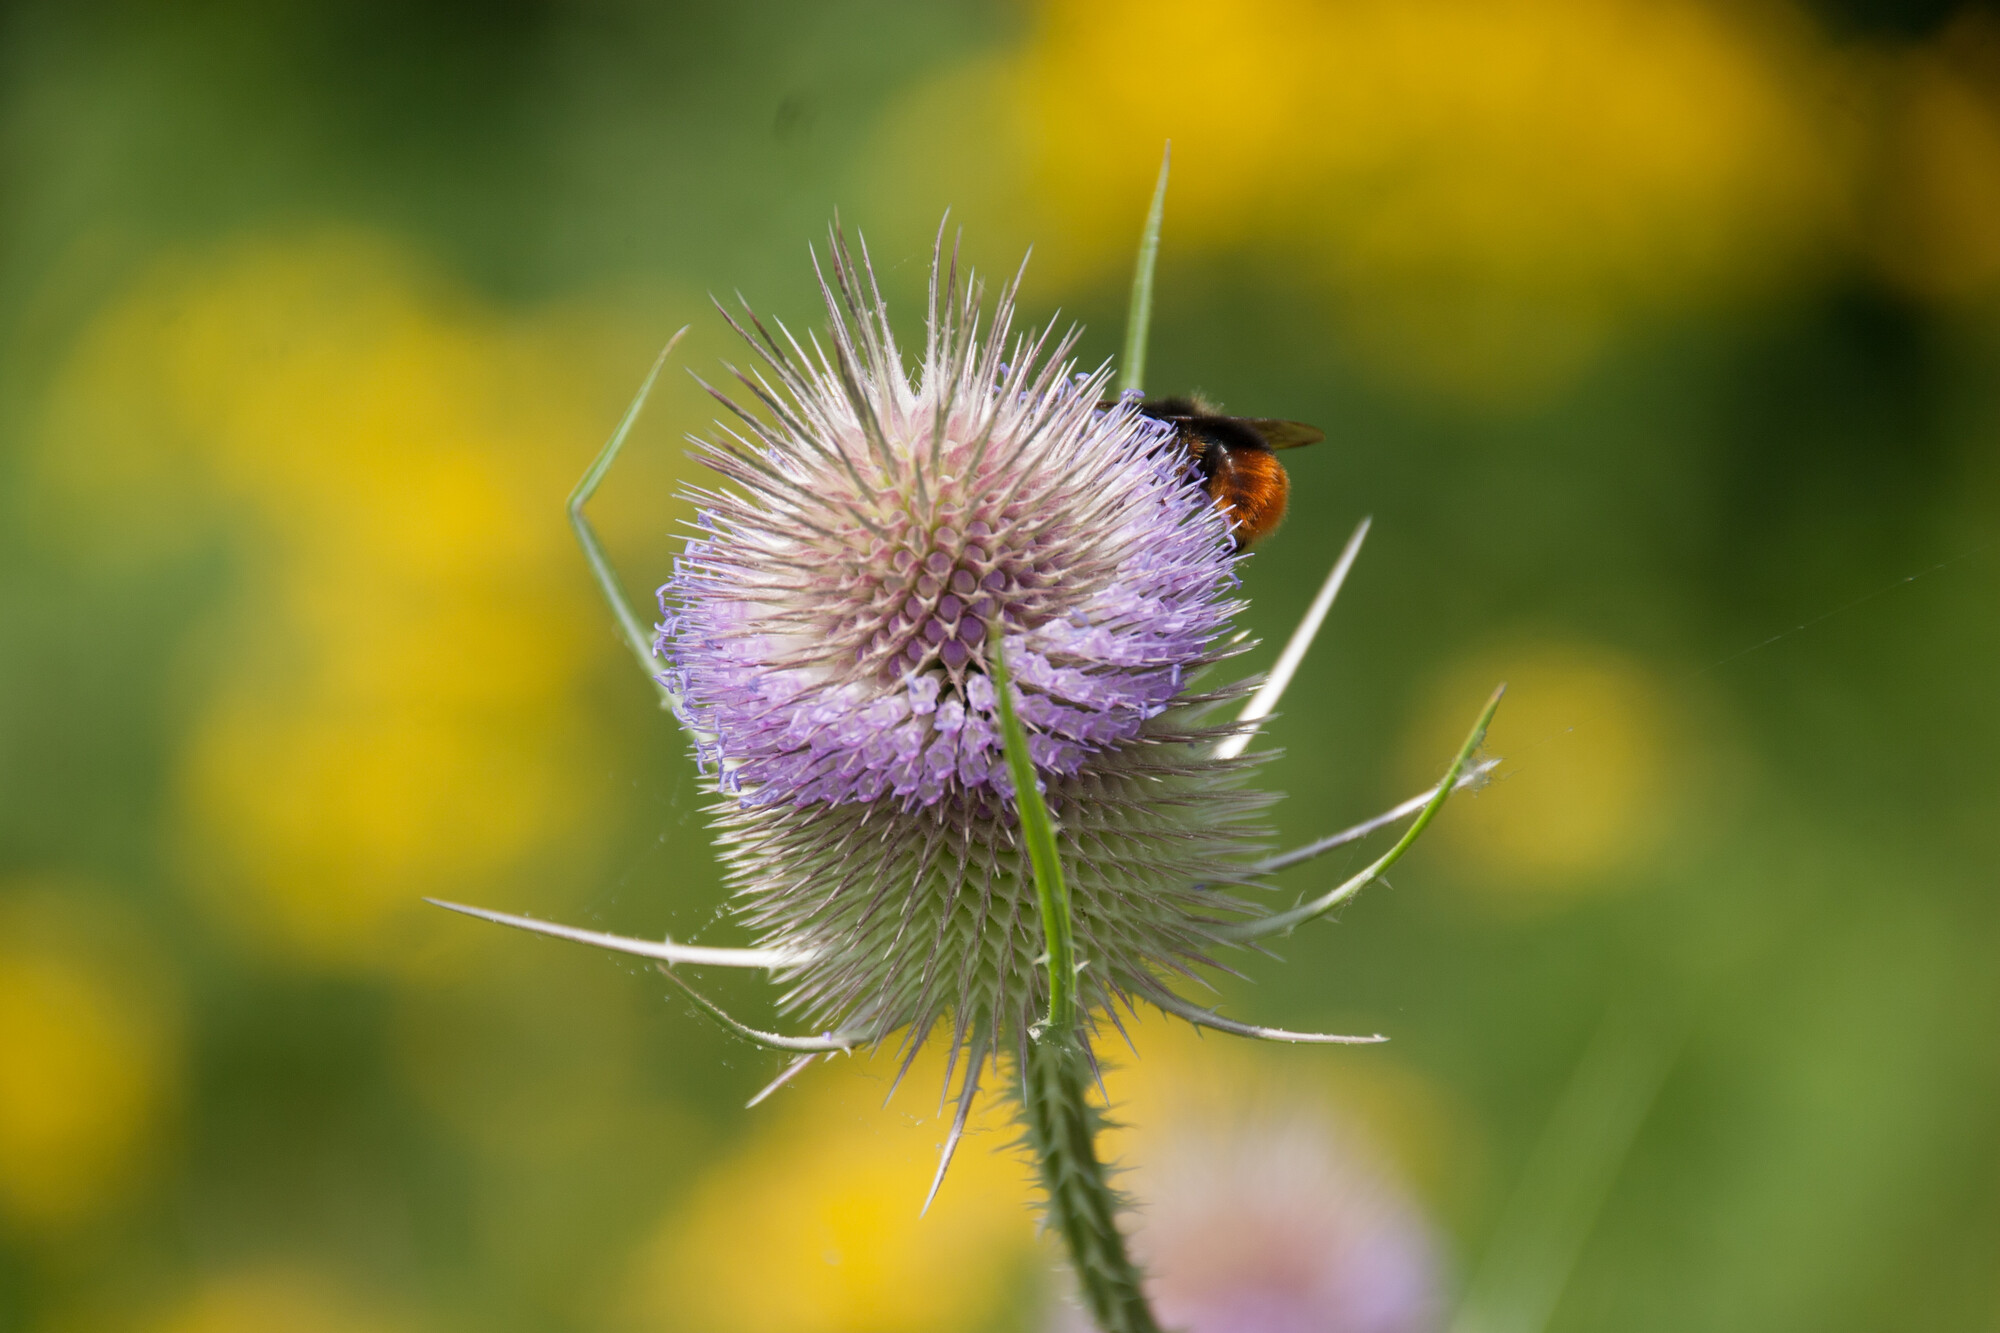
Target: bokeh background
1661,338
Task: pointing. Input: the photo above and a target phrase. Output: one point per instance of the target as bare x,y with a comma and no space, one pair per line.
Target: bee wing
1285,434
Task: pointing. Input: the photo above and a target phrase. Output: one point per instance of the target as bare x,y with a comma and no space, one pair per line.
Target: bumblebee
1236,460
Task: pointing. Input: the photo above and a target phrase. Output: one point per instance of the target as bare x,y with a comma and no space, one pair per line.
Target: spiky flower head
880,531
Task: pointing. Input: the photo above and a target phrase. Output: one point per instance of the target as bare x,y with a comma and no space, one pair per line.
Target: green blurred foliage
1671,390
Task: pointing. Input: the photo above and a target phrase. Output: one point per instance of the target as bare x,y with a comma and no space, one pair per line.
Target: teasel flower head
911,588
883,541
879,532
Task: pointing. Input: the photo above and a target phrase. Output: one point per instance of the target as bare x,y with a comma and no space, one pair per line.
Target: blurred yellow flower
813,1227
89,1054
1583,790
273,1301
1482,187
392,708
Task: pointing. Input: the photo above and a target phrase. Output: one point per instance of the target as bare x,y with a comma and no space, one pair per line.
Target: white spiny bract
829,636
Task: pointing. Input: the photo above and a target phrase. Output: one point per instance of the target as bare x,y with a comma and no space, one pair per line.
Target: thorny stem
1061,1128
1059,1121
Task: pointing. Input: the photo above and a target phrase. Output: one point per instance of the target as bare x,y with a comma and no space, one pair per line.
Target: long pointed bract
1208,1018
1277,923
1267,695
1055,1063
1051,893
630,627
777,1041
665,951
1139,317
791,1071
967,1092
1271,865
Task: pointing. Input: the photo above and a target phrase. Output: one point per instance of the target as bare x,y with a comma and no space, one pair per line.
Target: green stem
1062,1130
1055,1074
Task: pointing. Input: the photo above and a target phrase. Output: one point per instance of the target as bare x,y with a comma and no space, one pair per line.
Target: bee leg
631,628
1267,695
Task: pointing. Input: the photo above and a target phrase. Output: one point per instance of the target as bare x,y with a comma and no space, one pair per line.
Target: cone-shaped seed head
874,537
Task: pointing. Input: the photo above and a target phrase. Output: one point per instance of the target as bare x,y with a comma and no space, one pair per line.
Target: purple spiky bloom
830,636
882,544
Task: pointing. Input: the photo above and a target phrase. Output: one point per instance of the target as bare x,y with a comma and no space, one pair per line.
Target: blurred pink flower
1275,1224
